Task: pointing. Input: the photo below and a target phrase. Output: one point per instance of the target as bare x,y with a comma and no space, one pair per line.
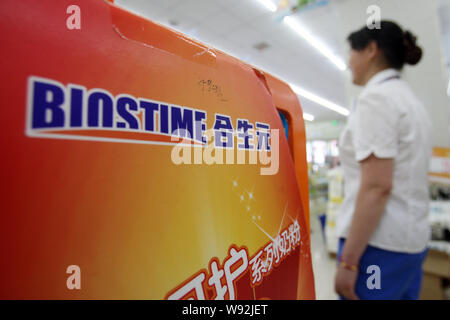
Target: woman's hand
345,282
373,194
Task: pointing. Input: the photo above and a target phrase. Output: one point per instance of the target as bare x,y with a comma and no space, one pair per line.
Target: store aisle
324,266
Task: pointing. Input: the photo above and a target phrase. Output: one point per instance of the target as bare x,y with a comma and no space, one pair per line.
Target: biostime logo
73,112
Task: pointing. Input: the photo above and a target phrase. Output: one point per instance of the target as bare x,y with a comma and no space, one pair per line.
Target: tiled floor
323,265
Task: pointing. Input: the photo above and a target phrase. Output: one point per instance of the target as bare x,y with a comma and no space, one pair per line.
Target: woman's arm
374,191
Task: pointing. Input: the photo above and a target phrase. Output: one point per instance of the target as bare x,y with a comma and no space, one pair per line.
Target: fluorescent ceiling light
268,4
307,116
448,88
311,96
324,102
305,34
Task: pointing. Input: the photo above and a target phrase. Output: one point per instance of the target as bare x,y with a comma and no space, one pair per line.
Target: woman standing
385,150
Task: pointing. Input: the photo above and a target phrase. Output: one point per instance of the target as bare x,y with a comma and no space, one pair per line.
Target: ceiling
236,26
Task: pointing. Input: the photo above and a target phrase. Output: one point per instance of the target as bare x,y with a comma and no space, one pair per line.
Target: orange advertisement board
88,177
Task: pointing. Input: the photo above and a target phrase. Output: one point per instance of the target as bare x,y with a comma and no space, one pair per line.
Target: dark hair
397,46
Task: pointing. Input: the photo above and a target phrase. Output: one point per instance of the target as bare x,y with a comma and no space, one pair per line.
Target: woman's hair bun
398,46
413,51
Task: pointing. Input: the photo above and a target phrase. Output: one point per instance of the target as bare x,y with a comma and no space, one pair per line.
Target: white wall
429,78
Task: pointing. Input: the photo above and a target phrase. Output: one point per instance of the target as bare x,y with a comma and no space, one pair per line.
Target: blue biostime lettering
223,132
243,127
51,105
263,136
97,108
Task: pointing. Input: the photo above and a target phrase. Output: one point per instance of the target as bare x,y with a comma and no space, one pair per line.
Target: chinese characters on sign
221,279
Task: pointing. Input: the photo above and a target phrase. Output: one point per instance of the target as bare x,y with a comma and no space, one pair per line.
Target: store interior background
307,48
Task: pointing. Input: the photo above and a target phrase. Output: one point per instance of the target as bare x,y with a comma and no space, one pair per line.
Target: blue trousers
388,275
